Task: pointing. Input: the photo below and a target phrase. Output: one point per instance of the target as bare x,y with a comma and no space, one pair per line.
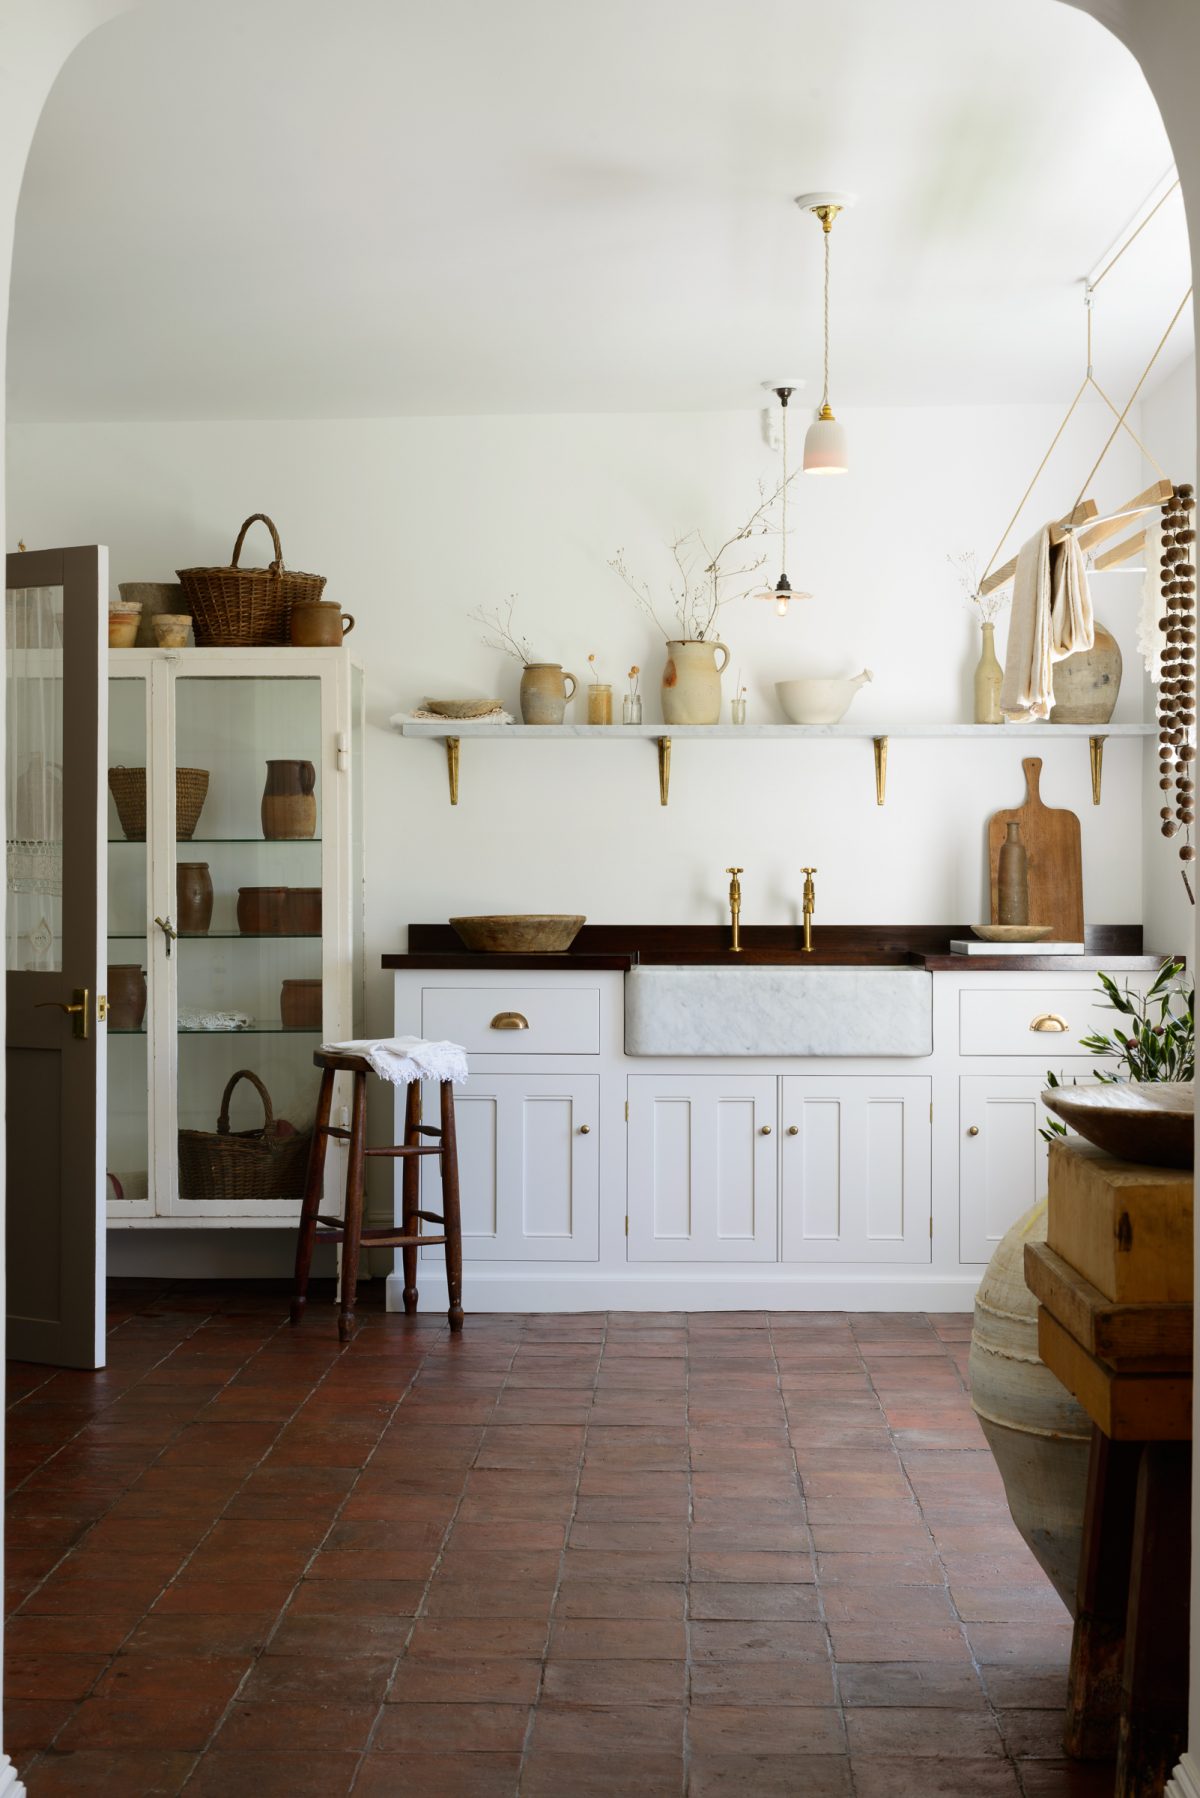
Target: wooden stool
348,1229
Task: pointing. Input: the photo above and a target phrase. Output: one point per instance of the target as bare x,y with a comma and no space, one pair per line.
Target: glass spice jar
599,703
631,708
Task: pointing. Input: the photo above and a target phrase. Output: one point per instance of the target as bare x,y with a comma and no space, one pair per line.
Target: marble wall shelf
453,732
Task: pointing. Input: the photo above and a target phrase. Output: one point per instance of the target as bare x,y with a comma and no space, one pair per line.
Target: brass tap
810,906
735,910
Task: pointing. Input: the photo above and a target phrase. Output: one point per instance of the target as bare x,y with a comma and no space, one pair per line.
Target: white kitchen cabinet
1001,1158
228,712
528,1160
703,1176
856,1168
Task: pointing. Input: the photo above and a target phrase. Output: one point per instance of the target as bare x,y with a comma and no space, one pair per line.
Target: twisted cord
825,397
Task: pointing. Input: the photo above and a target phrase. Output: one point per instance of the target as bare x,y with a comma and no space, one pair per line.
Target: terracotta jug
193,898
319,624
544,693
691,682
289,806
126,996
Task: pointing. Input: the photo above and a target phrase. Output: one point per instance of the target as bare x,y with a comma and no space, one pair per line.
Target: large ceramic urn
691,682
1039,1436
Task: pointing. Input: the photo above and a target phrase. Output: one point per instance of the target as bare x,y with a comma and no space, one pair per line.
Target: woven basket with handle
243,1165
246,608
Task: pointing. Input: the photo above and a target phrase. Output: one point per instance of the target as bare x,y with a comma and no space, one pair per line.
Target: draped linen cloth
403,1059
1051,619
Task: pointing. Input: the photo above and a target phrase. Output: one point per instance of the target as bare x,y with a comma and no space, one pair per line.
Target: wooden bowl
1012,933
1151,1122
462,708
531,933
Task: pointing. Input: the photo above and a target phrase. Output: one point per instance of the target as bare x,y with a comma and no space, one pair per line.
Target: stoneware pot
260,910
300,1004
302,911
1086,684
1039,1436
123,623
126,996
544,693
289,806
193,898
691,682
171,629
153,597
319,624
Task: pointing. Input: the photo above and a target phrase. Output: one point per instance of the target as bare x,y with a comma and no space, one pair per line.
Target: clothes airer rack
1084,516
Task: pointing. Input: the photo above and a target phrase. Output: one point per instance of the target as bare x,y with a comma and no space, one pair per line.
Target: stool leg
452,1220
1154,1695
1102,1600
352,1223
313,1188
410,1187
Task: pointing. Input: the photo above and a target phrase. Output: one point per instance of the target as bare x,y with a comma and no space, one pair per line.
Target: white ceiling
299,208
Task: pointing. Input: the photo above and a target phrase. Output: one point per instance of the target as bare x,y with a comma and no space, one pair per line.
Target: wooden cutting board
1052,843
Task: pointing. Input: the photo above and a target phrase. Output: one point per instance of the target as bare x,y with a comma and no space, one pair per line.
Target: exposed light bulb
781,604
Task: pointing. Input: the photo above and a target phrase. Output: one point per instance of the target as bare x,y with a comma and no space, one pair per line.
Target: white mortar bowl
819,701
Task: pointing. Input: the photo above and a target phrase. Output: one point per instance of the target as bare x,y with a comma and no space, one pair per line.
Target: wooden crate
1126,1229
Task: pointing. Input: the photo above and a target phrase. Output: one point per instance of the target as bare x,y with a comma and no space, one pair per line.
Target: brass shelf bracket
880,745
1096,758
664,770
453,746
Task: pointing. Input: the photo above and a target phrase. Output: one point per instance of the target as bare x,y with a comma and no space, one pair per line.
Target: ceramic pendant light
825,449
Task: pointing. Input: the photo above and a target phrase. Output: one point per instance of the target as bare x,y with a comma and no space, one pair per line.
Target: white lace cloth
403,1059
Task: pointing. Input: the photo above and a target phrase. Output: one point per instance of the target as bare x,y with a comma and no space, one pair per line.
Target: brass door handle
973,1130
78,1011
765,1130
509,1020
1049,1020
585,1129
793,1129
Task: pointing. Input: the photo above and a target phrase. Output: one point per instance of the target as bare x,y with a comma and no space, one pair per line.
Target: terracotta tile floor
627,1554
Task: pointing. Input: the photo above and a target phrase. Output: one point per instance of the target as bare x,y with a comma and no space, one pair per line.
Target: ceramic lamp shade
825,450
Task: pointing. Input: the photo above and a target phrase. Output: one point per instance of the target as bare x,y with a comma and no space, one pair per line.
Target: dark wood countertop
1113,948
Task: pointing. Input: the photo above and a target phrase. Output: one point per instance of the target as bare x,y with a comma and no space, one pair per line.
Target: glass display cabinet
235,923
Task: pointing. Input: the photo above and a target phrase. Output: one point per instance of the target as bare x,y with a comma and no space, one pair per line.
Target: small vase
691,682
631,709
988,678
1012,879
544,693
289,806
193,898
737,710
599,703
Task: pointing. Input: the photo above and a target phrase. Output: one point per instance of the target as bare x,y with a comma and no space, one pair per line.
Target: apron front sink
730,1011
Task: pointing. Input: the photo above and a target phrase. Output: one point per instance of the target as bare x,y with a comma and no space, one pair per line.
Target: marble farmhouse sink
766,1010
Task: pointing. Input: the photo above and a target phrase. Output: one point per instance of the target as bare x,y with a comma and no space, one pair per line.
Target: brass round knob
973,1130
793,1129
766,1130
585,1129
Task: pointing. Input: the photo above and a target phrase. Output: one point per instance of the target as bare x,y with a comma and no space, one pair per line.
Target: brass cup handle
509,1020
765,1130
1049,1021
973,1130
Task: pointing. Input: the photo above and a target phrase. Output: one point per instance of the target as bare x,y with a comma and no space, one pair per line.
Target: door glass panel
33,797
249,970
128,1152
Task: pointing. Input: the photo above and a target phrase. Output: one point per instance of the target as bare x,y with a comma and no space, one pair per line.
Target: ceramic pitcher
544,693
691,682
289,806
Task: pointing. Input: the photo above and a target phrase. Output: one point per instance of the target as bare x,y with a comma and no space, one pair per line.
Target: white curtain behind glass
33,798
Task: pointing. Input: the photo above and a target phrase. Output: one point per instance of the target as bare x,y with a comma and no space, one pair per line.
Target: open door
55,617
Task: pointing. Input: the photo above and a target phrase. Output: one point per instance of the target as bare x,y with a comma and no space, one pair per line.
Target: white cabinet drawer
1028,1020
516,1020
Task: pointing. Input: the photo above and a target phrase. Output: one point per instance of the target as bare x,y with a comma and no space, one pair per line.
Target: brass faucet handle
810,870
735,870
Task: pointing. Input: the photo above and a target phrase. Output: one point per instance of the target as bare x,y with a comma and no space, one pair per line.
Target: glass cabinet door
130,1150
248,908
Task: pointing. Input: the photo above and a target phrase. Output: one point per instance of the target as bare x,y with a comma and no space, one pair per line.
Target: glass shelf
251,1030
222,936
208,840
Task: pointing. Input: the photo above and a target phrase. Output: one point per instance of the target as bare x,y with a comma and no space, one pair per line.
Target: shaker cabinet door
856,1161
703,1182
528,1166
1001,1157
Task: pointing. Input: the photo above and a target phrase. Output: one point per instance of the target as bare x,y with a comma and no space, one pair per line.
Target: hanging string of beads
1177,688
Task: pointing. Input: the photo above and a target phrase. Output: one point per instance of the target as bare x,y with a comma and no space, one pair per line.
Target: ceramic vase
193,898
691,682
544,692
1012,879
988,678
126,996
289,806
1086,684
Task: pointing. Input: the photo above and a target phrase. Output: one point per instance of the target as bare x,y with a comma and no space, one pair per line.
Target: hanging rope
1033,483
1141,383
1113,261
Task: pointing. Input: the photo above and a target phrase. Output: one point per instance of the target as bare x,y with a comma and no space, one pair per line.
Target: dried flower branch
499,632
634,672
593,670
988,605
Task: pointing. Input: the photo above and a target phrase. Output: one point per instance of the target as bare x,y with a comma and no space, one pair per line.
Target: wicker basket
245,608
128,788
243,1165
